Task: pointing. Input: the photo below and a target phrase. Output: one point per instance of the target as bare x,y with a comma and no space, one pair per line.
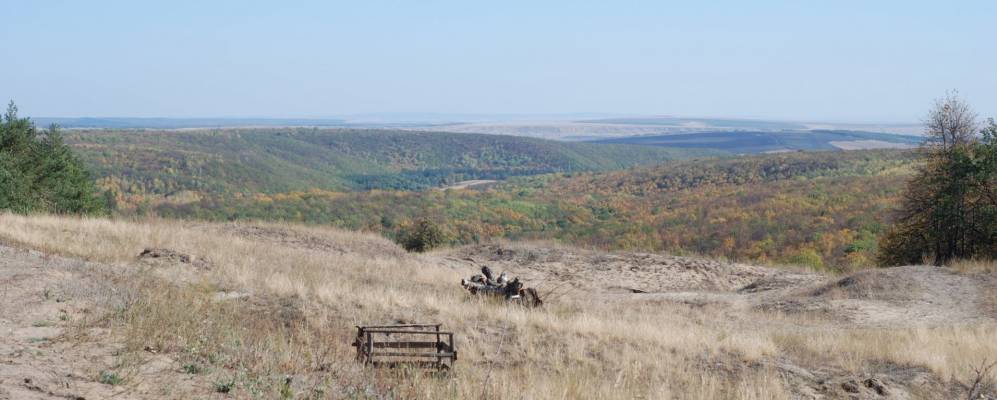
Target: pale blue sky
866,61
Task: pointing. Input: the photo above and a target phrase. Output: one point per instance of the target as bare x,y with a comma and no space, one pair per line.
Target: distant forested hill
823,209
167,163
177,123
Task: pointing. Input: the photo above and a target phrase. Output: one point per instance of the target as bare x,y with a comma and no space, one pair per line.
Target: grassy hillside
268,311
162,163
824,210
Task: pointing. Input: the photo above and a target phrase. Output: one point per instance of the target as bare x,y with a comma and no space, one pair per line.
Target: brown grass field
268,311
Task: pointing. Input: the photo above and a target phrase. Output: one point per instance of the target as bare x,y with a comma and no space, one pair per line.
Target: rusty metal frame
439,354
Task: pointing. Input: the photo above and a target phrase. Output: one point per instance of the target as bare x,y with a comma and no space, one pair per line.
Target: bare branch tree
952,121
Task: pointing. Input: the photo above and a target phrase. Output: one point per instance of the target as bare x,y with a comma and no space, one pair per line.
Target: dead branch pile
487,284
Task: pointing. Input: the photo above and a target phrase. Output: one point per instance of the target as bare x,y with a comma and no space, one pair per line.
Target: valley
802,208
158,163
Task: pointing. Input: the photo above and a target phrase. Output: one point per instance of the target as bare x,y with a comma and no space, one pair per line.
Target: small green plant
192,368
285,389
318,393
41,324
111,378
224,386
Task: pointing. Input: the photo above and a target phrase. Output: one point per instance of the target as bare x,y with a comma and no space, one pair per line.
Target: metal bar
415,363
405,345
370,347
438,359
405,354
403,326
404,331
453,349
359,344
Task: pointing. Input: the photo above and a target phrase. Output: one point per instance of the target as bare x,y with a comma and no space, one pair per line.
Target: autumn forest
823,210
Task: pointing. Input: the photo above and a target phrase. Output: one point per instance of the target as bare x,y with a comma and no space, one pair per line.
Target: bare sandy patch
869,145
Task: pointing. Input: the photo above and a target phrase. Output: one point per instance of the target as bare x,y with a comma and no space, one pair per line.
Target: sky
834,61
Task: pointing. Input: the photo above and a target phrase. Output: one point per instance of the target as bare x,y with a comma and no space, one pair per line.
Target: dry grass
974,266
987,271
304,301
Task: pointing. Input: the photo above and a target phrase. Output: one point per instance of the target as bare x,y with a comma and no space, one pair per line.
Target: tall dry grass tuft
974,266
278,300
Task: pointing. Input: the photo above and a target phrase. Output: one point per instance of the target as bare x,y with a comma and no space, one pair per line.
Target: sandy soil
869,145
47,352
615,273
474,183
888,297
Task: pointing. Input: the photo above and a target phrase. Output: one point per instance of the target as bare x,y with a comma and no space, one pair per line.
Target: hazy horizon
459,118
846,62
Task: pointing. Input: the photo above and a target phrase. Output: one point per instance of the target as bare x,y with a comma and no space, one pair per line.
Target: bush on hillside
423,235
